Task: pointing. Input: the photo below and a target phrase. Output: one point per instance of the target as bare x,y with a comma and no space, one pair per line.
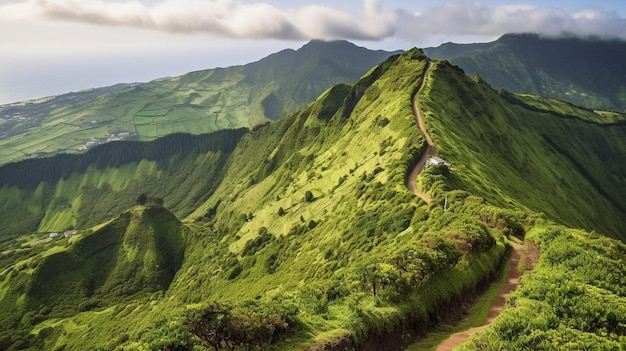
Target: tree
281,211
225,327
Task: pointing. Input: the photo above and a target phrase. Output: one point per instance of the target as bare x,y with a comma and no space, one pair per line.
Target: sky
49,47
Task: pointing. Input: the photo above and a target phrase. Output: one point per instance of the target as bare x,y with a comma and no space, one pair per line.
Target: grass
476,316
519,157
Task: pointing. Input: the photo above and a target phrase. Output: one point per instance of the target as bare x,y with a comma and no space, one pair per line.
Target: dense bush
246,326
573,299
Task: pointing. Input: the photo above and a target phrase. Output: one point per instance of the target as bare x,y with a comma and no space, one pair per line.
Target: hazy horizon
54,47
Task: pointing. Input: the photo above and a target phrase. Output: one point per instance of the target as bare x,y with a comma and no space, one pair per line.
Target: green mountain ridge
196,102
588,72
308,236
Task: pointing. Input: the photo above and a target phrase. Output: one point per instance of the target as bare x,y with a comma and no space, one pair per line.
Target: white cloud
220,18
235,19
471,18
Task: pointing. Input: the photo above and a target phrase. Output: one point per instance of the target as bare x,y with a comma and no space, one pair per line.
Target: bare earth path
496,307
430,148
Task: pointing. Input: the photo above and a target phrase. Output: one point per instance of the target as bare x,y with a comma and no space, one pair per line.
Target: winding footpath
430,147
496,307
513,275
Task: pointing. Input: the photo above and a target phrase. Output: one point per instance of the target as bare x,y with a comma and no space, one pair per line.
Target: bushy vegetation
573,299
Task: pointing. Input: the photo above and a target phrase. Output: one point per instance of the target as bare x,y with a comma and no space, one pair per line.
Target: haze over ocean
32,78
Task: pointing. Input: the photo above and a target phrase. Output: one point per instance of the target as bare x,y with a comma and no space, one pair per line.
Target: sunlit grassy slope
197,102
136,254
308,206
311,230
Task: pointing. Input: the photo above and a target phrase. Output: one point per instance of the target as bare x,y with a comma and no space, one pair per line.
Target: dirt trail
496,307
430,148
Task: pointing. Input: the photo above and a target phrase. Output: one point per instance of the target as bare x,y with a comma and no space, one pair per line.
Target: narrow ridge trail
430,147
513,275
497,305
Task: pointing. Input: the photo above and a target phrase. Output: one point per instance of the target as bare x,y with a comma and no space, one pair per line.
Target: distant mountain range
197,102
586,72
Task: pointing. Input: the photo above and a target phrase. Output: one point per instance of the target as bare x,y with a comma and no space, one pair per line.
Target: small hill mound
140,251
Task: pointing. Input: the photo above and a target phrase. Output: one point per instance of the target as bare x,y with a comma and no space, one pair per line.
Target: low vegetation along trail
496,307
430,148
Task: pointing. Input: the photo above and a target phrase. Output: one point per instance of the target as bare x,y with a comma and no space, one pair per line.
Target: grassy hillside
310,237
525,152
587,72
314,223
197,102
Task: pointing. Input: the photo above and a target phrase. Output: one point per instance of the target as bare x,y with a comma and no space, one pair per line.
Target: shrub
308,196
226,327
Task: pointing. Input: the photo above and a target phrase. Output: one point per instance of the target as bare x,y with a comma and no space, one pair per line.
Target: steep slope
312,240
516,152
314,226
197,102
587,72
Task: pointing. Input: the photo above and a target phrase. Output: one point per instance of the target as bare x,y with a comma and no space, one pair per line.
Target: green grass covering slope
311,237
197,102
134,255
565,163
313,222
79,191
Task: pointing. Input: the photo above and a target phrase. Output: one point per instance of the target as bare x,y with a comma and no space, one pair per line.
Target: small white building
54,235
434,161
